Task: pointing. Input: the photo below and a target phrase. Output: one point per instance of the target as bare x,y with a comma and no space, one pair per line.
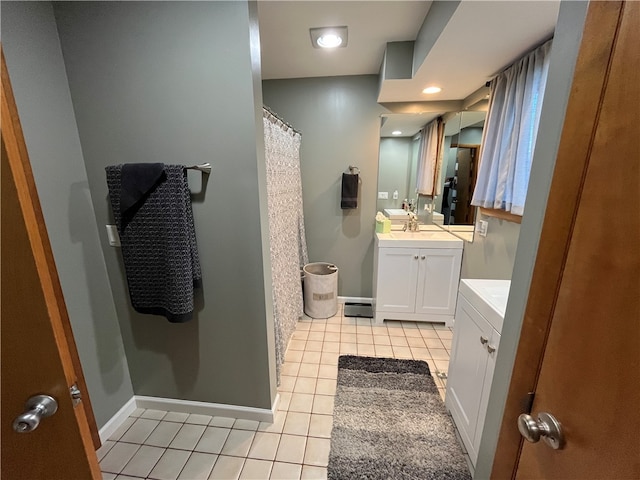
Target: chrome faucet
412,223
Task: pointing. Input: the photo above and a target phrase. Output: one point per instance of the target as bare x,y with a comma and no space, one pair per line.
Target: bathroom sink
489,297
396,214
422,239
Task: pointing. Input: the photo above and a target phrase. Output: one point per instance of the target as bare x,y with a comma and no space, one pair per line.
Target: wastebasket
320,289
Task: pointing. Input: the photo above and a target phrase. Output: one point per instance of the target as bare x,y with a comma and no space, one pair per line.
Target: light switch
383,195
483,225
112,235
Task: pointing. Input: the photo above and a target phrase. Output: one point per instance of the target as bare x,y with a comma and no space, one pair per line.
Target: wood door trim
466,145
18,159
501,214
589,82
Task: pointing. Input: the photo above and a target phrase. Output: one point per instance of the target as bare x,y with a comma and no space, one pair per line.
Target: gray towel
152,208
349,198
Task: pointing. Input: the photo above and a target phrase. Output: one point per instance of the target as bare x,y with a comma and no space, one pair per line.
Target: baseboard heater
352,309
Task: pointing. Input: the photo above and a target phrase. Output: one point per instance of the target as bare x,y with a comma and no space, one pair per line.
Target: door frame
589,82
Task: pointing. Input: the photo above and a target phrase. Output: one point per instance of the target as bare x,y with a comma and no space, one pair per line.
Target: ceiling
480,39
286,46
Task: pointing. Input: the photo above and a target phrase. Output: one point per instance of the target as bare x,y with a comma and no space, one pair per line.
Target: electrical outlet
383,195
483,226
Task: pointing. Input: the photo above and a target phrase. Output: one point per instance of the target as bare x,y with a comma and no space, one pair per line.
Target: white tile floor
169,446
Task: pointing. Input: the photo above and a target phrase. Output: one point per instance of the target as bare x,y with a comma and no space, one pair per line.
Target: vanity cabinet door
438,278
397,275
467,376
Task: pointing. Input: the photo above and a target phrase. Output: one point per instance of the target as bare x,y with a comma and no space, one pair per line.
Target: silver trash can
320,289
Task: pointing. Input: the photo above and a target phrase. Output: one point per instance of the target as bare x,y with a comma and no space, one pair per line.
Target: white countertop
489,297
422,239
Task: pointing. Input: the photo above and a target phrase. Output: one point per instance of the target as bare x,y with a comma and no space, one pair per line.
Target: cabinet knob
415,256
423,257
491,349
484,340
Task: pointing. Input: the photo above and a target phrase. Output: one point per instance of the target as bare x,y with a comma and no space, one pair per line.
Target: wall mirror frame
450,208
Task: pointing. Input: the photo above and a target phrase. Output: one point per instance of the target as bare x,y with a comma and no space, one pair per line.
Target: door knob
546,427
37,408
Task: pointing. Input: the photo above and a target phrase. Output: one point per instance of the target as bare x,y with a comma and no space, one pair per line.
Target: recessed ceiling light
329,37
329,40
432,90
396,132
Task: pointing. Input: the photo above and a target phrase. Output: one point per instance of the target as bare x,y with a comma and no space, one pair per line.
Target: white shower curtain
286,228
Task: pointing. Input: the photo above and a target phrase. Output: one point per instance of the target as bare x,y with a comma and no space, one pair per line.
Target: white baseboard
187,406
355,299
114,422
274,408
205,408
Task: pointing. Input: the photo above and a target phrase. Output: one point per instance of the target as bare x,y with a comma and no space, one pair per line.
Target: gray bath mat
390,423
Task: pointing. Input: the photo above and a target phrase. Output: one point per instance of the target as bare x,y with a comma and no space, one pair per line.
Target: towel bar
203,167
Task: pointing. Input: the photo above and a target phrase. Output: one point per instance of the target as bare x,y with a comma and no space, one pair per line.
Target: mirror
463,137
398,165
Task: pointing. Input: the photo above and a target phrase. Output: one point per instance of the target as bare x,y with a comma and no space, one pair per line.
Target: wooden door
38,353
466,178
580,343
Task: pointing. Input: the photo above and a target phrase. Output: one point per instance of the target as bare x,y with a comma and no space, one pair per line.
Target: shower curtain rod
271,114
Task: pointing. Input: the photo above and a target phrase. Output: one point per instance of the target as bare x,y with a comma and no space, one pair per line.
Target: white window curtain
510,133
430,158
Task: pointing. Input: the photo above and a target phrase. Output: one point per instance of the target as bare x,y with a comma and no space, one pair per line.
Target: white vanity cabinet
476,338
416,283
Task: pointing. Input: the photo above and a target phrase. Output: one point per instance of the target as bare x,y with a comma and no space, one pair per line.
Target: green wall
34,60
340,122
491,256
178,82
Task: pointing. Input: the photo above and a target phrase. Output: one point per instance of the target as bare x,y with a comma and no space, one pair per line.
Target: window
510,133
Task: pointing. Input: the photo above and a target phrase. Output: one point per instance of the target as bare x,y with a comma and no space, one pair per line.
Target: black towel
138,179
151,205
349,191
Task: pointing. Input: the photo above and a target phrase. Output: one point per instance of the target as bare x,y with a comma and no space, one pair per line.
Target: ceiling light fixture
396,132
329,40
329,37
431,90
